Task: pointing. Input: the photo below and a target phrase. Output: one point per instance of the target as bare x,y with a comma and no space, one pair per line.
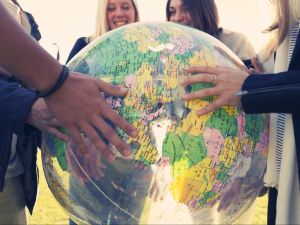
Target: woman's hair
101,19
287,12
204,14
280,24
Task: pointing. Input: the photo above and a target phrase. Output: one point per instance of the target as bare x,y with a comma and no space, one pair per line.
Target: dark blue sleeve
272,93
15,106
79,44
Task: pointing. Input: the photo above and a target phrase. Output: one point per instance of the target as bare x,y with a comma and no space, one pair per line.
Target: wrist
64,74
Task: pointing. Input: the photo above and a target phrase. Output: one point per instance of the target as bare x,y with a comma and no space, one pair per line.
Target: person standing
277,92
203,15
21,115
111,14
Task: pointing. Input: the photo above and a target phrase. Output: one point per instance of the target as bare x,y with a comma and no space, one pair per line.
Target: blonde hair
101,19
287,13
280,24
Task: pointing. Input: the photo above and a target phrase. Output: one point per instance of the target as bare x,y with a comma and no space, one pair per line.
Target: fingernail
133,133
126,152
124,89
111,157
199,113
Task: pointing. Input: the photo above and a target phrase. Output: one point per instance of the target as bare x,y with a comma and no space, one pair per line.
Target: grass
48,211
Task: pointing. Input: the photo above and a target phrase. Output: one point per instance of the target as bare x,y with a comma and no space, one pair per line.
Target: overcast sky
63,21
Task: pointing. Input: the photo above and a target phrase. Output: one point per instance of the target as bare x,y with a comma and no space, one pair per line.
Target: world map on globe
184,168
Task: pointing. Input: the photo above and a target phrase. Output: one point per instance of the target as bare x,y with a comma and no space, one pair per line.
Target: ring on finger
213,79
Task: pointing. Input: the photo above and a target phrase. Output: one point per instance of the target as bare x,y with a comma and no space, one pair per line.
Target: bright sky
63,21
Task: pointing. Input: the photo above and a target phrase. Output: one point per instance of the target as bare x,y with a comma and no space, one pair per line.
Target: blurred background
61,22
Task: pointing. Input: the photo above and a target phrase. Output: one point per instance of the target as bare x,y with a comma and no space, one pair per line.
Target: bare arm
24,57
77,104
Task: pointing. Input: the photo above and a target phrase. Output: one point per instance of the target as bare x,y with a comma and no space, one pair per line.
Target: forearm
23,57
277,93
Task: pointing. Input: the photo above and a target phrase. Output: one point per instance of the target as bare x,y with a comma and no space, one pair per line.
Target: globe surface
183,169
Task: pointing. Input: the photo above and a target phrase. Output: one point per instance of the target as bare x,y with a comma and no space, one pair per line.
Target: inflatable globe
184,169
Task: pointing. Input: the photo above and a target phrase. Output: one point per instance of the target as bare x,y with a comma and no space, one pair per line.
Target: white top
282,168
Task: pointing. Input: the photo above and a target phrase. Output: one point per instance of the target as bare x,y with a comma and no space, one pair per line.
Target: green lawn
48,211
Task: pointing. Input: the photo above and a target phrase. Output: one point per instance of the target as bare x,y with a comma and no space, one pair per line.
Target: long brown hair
204,14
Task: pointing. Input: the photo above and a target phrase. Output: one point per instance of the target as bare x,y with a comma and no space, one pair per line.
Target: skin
228,83
120,13
179,14
41,118
77,104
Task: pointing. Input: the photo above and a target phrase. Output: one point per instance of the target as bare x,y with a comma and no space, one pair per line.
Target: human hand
241,188
230,194
41,118
256,188
79,106
87,166
258,67
227,83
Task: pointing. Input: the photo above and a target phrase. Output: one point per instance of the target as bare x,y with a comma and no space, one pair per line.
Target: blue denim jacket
15,105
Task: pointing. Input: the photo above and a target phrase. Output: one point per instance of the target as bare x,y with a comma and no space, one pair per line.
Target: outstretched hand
41,118
85,168
227,82
81,109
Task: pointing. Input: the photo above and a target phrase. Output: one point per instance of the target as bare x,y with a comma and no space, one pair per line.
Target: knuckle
206,92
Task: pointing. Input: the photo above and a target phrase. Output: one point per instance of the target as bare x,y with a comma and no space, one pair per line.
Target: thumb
115,90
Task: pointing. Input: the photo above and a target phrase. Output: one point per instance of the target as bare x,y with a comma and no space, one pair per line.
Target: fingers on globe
197,78
211,107
115,90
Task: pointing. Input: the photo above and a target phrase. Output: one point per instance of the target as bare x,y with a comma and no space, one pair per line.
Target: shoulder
226,33
80,43
238,43
82,40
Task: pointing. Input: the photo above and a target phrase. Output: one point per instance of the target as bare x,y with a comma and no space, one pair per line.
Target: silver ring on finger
213,79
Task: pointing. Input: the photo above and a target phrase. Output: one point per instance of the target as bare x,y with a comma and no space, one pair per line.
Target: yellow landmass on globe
203,58
192,124
233,147
141,37
193,182
145,152
231,111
